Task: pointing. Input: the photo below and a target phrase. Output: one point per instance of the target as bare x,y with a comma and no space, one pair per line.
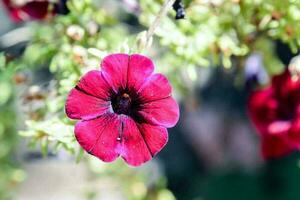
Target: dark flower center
287,112
123,103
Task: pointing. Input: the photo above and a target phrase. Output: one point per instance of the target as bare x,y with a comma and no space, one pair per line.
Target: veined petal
99,136
82,106
140,68
94,84
114,69
134,150
157,87
156,137
164,112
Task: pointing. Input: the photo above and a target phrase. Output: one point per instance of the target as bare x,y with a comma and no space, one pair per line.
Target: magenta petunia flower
124,109
274,111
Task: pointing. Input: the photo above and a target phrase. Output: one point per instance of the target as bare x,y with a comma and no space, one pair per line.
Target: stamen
125,95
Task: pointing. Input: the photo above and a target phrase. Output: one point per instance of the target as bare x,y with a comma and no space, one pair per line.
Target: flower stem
162,12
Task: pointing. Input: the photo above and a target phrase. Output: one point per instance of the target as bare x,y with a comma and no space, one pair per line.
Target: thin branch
162,12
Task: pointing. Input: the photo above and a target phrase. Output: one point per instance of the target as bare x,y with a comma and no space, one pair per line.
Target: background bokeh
214,58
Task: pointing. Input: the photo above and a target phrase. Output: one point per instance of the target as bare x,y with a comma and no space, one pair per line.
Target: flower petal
294,133
156,137
134,149
164,112
262,107
82,106
285,86
94,84
276,145
140,68
31,10
36,9
278,127
99,136
157,87
114,68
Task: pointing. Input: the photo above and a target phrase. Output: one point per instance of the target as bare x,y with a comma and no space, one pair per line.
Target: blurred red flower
124,109
23,10
275,112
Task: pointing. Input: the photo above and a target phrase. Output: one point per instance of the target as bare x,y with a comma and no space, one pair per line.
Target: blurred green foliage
223,33
10,174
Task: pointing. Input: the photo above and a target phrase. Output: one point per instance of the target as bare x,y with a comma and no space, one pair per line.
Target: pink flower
124,109
275,112
34,9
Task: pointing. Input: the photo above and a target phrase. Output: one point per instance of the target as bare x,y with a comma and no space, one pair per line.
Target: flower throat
122,103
